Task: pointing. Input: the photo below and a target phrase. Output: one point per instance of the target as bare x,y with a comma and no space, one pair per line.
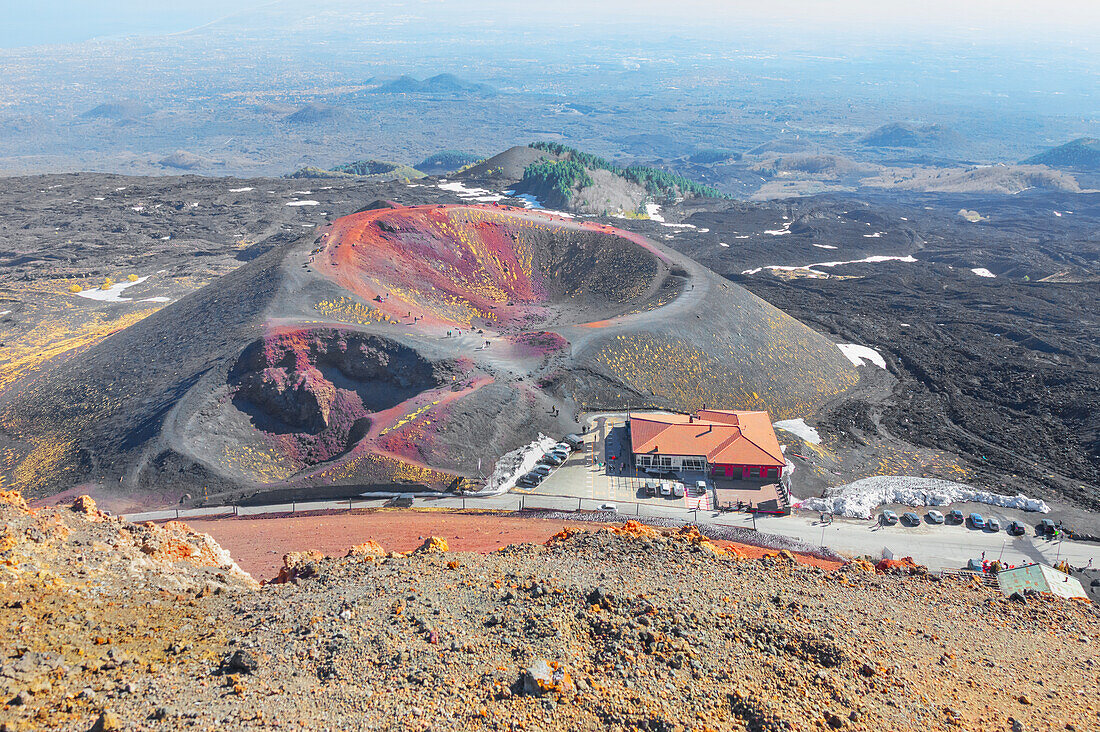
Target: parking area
601,471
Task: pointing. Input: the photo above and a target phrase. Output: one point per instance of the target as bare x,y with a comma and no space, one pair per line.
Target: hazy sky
64,21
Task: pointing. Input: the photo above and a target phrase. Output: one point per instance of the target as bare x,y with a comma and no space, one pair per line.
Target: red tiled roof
724,437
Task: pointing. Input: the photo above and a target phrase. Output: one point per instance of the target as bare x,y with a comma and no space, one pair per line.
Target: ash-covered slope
623,629
403,347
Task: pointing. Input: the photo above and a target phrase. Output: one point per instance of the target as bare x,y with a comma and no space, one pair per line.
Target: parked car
564,447
935,517
531,479
955,516
1016,529
543,470
678,490
608,507
650,489
551,459
889,518
976,521
910,518
574,441
700,487
666,489
992,524
1045,527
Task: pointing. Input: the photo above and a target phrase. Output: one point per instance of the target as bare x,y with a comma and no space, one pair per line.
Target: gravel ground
628,628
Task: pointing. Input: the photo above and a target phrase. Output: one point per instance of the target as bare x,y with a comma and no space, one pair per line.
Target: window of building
773,472
754,472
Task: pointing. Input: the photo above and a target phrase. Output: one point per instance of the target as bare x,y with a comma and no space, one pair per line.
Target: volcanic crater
406,346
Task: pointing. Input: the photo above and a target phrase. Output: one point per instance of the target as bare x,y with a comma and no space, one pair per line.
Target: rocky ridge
623,628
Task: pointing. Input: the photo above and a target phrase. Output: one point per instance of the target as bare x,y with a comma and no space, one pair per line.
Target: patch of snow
858,354
786,229
904,325
302,193
529,201
824,246
461,190
799,428
491,198
1058,214
166,238
810,267
876,235
678,226
240,190
512,466
5,312
860,498
99,198
746,236
982,272
156,299
723,244
137,208
653,211
113,293
303,203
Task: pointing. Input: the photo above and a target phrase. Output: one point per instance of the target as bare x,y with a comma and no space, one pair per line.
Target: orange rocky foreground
258,545
117,626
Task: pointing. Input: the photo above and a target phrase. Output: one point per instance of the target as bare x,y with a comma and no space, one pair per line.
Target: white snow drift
799,428
810,267
858,354
513,465
860,498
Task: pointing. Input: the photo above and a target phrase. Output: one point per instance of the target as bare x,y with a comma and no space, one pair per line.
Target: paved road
938,547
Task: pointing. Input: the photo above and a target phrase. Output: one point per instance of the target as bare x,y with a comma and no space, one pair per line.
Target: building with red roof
718,442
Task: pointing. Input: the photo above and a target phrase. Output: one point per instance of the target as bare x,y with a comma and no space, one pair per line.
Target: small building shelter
720,443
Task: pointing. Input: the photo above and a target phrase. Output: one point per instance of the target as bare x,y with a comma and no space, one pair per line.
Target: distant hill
446,161
314,114
1080,154
377,170
591,184
1000,179
125,109
183,160
439,84
903,134
508,165
712,156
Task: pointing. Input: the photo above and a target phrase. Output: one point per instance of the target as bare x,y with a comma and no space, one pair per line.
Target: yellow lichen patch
262,464
411,417
68,328
132,278
346,310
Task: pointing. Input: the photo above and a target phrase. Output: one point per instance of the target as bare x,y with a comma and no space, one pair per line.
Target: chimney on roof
691,419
